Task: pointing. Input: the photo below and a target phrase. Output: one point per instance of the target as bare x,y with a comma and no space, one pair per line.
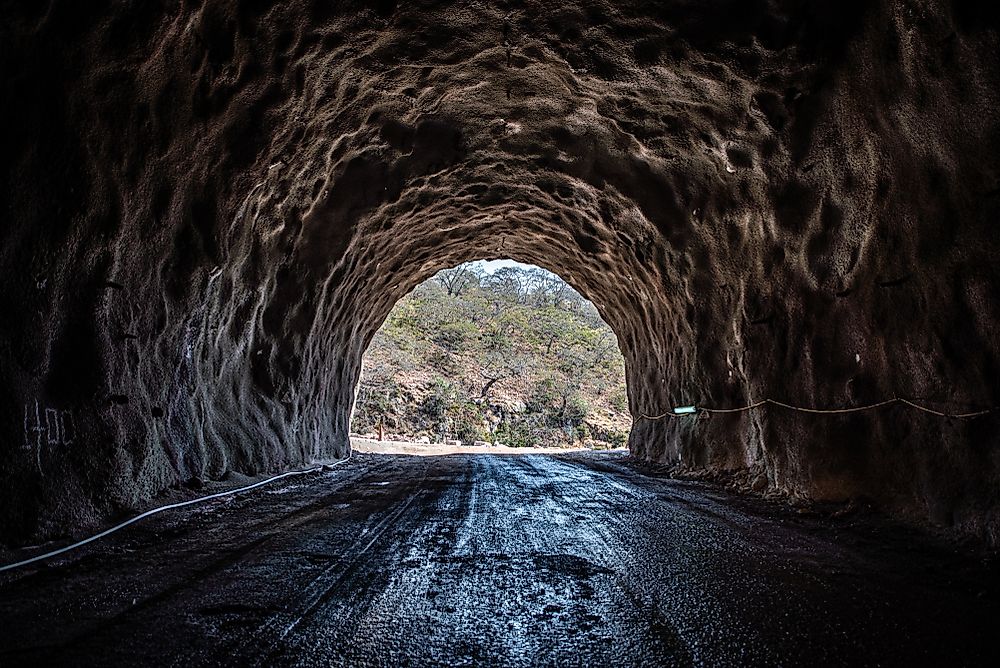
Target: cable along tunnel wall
212,208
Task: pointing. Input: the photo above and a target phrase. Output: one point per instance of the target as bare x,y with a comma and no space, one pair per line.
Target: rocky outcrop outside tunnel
211,207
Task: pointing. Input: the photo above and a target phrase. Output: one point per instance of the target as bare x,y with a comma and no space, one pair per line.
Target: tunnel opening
492,354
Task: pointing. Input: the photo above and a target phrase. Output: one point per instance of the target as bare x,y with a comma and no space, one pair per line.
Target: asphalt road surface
576,560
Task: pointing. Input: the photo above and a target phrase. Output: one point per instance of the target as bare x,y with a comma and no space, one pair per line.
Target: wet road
491,560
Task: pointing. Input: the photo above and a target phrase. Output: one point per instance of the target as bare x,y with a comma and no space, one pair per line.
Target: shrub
453,335
517,431
451,413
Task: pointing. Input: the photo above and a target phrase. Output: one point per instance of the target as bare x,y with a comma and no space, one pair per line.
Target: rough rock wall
210,207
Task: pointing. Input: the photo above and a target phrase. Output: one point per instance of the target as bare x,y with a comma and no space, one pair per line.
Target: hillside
514,357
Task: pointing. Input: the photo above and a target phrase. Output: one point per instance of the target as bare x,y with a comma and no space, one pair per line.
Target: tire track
327,582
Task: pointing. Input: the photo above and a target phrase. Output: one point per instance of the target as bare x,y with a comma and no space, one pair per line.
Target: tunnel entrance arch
395,270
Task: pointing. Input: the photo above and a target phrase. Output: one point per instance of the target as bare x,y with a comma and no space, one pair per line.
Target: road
577,560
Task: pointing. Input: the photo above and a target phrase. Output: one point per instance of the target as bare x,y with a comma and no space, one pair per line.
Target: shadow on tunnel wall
210,207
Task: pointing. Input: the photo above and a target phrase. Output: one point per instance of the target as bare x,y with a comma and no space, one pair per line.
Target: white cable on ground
682,411
154,511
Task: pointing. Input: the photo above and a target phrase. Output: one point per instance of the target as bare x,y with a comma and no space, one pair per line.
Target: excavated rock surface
209,208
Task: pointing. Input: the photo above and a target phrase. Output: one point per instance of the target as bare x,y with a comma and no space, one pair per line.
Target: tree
549,289
499,365
458,279
502,352
601,343
509,283
553,325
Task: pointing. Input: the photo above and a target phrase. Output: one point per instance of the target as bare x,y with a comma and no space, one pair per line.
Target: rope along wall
683,411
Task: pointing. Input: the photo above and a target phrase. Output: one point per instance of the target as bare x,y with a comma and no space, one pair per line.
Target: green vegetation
514,357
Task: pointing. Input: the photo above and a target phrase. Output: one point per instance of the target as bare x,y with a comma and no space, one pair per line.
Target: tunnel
785,210
211,207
